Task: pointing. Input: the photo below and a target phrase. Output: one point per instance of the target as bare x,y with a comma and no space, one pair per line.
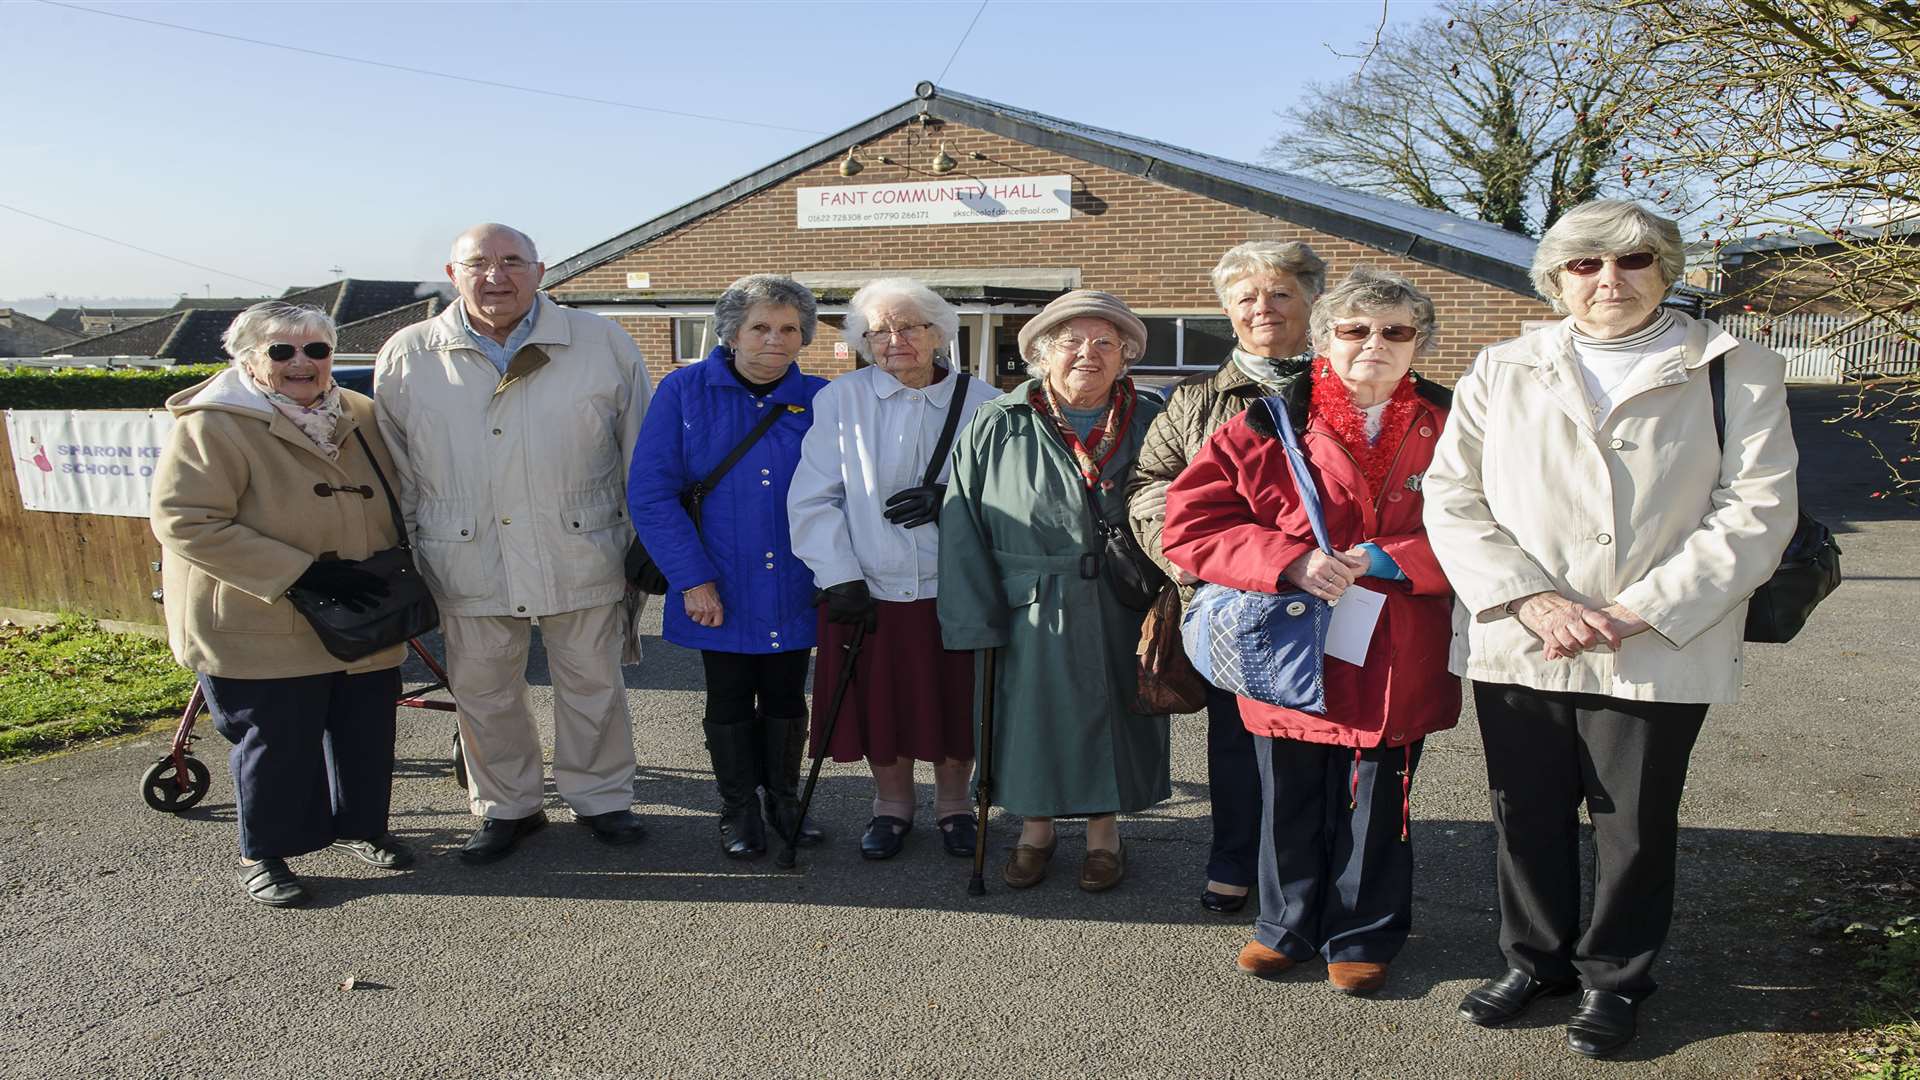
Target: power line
137,247
963,40
437,74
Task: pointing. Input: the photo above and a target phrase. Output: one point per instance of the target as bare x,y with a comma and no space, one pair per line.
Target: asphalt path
127,949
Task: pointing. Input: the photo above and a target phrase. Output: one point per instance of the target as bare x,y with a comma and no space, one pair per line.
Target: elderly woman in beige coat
1602,543
272,478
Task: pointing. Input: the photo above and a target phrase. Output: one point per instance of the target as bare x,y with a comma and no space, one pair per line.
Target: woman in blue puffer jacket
736,591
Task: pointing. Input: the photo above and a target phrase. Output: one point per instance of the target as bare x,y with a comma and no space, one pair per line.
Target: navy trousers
1336,879
1233,784
1547,753
312,757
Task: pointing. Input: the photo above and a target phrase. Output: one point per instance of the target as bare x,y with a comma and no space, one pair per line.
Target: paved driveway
126,949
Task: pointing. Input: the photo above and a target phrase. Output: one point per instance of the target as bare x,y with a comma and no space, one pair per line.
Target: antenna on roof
336,270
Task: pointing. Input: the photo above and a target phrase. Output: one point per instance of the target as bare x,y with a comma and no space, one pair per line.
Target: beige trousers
593,759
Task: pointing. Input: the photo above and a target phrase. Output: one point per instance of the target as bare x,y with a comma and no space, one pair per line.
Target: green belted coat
1012,532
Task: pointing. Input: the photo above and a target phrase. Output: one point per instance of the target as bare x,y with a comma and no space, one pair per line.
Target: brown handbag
1167,682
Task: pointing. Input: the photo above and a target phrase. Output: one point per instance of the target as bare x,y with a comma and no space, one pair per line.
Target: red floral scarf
1335,408
1091,456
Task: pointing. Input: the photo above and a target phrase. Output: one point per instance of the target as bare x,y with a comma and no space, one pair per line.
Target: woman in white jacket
1602,545
862,511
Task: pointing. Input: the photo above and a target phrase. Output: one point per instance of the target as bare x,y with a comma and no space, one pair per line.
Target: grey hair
1368,292
1270,257
1043,344
730,311
256,327
1606,227
533,253
931,306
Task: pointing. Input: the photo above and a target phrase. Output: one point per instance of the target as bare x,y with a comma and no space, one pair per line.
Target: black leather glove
354,588
913,507
851,604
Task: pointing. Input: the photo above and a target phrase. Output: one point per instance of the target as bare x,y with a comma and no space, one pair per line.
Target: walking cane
791,841
983,798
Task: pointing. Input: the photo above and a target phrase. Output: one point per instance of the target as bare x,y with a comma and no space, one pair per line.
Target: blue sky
277,166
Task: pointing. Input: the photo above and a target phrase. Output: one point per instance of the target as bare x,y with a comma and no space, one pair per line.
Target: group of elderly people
1566,528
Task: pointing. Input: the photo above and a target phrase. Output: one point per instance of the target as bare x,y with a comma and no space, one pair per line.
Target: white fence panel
1829,348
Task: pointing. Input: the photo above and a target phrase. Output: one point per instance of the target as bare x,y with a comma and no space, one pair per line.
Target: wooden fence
1827,348
90,563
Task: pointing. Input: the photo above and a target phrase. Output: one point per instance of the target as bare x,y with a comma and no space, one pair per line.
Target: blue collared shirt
497,354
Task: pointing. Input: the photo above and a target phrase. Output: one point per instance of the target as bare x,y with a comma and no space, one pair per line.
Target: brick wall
1150,244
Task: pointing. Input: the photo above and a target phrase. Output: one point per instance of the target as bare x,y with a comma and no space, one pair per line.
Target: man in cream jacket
511,421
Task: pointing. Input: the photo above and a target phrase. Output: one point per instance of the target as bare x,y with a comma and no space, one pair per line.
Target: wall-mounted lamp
943,163
852,165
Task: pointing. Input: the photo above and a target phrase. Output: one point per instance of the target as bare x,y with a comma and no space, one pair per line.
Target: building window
1187,341
692,338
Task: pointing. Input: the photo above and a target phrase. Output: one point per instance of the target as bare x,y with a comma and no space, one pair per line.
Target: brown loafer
1028,866
1102,870
1261,962
1356,978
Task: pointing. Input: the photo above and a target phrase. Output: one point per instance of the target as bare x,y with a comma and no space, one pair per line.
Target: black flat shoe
1601,1025
615,826
383,851
269,882
743,835
1222,903
957,835
884,838
496,837
1497,1001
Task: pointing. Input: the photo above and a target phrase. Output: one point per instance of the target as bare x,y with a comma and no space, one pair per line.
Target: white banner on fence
86,462
936,202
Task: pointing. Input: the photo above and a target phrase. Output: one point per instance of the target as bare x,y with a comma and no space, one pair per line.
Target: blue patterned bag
1270,647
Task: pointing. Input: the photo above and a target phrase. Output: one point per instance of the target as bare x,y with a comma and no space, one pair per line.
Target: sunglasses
280,352
1361,331
1639,260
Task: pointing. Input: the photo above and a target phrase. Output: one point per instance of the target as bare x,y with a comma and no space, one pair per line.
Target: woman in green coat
1013,531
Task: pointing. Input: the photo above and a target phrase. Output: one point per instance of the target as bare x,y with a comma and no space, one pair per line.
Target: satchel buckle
1090,565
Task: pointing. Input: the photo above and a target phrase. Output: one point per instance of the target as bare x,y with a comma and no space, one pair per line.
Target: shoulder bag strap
1717,386
393,504
706,486
945,446
1297,461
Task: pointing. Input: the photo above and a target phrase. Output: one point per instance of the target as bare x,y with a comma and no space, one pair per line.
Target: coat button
1604,539
768,555
766,472
766,483
1426,432
759,404
506,521
769,566
1618,444
1393,497
576,524
463,532
776,644
522,607
496,431
773,633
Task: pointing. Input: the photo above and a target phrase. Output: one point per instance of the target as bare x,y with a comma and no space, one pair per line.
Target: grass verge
73,681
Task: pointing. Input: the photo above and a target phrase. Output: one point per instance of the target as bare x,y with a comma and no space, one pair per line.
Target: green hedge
98,388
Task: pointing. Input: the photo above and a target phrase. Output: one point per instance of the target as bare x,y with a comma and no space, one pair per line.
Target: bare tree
1792,128
1484,110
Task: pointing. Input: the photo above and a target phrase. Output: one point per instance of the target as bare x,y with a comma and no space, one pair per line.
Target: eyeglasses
1638,260
910,331
1100,346
1396,333
280,352
512,264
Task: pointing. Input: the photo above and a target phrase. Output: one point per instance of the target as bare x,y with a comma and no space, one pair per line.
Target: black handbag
407,611
1136,580
642,571
1810,567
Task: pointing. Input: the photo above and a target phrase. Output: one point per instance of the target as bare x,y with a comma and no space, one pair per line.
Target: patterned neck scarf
1334,406
1091,456
316,421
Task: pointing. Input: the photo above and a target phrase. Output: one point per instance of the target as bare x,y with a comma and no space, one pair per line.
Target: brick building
1034,205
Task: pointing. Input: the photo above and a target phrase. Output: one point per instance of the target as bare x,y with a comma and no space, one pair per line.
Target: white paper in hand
1354,618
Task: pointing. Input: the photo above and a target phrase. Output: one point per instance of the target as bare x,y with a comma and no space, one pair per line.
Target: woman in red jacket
1336,867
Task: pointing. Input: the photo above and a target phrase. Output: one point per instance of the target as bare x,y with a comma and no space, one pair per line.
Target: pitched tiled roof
143,339
24,335
185,337
366,336
68,318
1475,249
217,303
350,300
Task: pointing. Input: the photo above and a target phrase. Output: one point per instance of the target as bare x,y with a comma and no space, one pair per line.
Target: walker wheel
162,789
459,762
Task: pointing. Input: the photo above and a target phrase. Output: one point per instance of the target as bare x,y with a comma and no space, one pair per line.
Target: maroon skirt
909,698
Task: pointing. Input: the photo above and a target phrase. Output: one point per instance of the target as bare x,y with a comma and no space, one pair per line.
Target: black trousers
312,757
1336,878
1627,760
743,685
1233,785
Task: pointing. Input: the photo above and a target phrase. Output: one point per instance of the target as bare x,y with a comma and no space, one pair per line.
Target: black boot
736,755
787,762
